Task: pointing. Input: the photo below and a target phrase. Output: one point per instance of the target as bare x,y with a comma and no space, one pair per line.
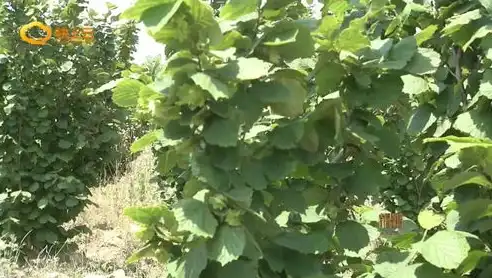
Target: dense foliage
288,127
57,135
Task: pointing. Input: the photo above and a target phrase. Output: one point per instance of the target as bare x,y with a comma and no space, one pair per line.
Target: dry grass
104,250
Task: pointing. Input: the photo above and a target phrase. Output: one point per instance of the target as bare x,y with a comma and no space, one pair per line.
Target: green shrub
57,135
290,125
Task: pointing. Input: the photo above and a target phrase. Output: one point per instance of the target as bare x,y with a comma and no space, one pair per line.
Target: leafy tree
290,125
57,134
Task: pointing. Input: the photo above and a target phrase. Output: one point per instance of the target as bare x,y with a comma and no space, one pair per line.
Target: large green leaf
147,140
312,243
352,39
352,235
485,89
429,219
137,10
289,40
284,32
248,68
475,123
425,34
215,87
462,178
367,180
228,244
158,17
487,4
480,33
221,132
472,261
446,249
401,53
459,20
425,61
414,85
252,174
126,93
329,76
472,210
195,217
234,9
287,137
459,143
151,215
286,96
190,265
239,269
421,119
203,16
418,270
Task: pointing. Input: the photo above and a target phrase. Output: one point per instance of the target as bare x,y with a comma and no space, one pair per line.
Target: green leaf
425,34
329,25
462,178
190,265
167,161
287,137
228,244
414,85
367,180
146,140
284,32
150,215
286,96
417,271
473,210
252,173
64,144
425,61
250,68
215,87
159,16
487,4
445,249
234,9
475,123
221,132
126,93
42,203
480,33
428,219
459,143
457,21
242,194
352,235
203,15
485,89
421,119
292,103
195,217
239,269
289,40
401,53
312,243
136,11
329,76
471,262
351,39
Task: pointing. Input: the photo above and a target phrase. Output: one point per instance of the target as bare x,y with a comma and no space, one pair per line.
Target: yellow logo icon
35,41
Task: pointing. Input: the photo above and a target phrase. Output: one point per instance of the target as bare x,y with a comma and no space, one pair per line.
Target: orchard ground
103,251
